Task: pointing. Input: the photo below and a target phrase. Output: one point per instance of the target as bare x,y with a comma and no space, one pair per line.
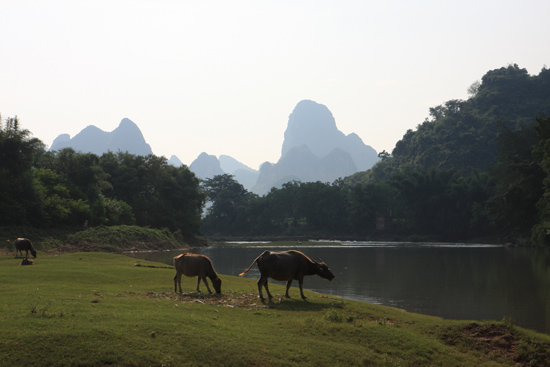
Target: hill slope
462,135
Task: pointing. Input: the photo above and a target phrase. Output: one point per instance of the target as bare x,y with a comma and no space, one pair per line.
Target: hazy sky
222,77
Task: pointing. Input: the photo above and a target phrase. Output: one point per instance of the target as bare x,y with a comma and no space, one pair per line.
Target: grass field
94,309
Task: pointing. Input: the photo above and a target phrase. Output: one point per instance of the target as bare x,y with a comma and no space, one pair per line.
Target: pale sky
222,77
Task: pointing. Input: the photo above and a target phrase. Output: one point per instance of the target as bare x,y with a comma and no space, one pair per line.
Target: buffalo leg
207,287
263,282
301,283
198,284
260,285
287,288
267,289
177,280
205,282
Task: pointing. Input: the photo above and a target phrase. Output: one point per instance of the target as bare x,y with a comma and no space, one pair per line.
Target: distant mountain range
313,150
208,166
127,137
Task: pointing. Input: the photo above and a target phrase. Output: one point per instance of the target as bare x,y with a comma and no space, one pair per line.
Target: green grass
93,309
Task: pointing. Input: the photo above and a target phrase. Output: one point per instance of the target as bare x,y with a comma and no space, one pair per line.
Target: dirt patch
491,338
498,342
492,341
227,299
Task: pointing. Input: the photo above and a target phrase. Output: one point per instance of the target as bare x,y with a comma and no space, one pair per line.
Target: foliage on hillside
123,238
102,238
462,135
497,138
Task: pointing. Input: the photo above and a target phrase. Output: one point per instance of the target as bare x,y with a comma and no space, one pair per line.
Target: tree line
508,203
475,169
44,189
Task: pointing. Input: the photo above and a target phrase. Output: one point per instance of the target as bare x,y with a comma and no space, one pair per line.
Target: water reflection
458,281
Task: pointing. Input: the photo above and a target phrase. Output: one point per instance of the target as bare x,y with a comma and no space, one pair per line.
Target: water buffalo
26,261
24,244
287,266
193,265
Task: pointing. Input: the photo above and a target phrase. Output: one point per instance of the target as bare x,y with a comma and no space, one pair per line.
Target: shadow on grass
298,304
249,300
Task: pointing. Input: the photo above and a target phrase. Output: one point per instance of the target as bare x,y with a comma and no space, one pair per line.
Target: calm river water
467,282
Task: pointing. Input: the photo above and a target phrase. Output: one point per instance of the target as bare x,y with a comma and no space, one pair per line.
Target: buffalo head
217,283
323,271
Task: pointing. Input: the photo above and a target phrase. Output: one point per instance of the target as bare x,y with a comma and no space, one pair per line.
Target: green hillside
462,135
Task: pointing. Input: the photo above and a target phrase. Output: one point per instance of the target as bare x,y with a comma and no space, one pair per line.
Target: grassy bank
95,309
105,239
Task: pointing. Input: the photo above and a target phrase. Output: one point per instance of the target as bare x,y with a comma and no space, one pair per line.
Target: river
455,281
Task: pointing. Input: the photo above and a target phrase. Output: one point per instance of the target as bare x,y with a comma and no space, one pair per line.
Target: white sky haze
222,77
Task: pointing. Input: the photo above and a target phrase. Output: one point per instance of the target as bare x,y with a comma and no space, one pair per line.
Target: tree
84,180
437,202
17,195
384,155
323,206
474,88
541,231
366,203
282,209
229,203
17,148
160,195
58,207
519,181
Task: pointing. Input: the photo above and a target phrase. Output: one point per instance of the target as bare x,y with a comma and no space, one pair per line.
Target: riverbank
115,239
99,308
377,237
120,239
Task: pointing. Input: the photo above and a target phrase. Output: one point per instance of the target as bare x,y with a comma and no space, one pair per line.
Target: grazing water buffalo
193,265
287,266
24,244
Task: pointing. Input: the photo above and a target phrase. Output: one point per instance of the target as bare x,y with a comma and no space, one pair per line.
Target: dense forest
475,170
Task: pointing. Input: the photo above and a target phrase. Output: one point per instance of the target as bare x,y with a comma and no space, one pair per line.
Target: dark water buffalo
287,266
24,244
26,261
193,265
